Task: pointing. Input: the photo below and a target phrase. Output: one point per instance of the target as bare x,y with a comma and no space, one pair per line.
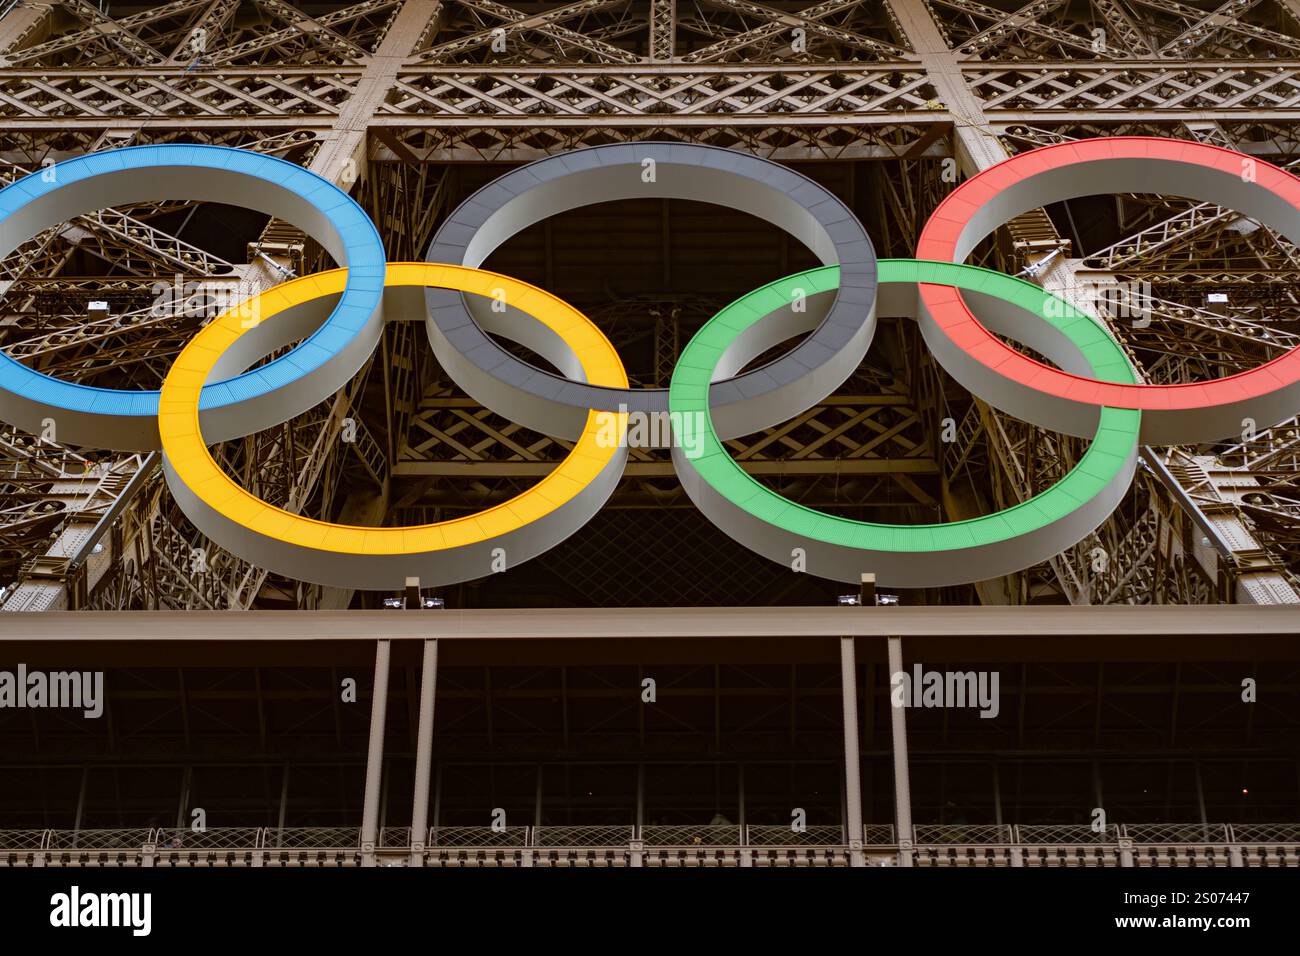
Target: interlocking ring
294,382
1065,400
744,403
923,555
209,396
358,557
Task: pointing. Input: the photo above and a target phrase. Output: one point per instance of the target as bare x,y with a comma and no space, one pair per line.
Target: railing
809,836
691,836
576,837
100,839
219,838
1028,845
23,839
1065,835
476,837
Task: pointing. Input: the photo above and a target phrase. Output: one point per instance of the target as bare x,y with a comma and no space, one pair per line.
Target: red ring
941,233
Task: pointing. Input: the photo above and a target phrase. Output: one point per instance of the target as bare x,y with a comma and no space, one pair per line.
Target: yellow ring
188,456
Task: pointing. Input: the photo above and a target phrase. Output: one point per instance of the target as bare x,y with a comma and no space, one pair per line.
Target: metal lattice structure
411,106
414,104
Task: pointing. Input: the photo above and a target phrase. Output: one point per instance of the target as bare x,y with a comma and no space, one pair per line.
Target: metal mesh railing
1040,837
218,838
1175,833
127,839
1063,834
583,836
22,839
479,837
962,833
878,834
786,836
661,835
1265,832
314,838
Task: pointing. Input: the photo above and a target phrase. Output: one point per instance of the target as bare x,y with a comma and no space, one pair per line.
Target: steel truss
406,100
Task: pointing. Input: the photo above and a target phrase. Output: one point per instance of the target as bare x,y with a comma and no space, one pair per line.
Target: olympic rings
316,368
900,555
358,557
744,404
1037,393
1093,391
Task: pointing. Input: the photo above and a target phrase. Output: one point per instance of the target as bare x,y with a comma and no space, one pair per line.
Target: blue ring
362,254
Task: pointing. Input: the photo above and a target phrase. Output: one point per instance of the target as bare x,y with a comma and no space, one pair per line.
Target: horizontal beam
554,624
1134,64
1127,117
664,469
882,119
730,94
463,149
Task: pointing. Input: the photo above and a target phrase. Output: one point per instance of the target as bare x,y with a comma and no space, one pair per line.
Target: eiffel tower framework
766,703
413,105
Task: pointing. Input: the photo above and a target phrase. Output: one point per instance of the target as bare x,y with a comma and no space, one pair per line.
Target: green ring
1113,448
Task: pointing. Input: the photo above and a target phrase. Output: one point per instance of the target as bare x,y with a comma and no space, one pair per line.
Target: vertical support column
284,806
81,804
437,799
1017,850
347,139
640,797
852,773
424,752
1200,801
537,799
375,754
636,848
746,855
663,29
183,804
1098,795
902,781
997,794
530,855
